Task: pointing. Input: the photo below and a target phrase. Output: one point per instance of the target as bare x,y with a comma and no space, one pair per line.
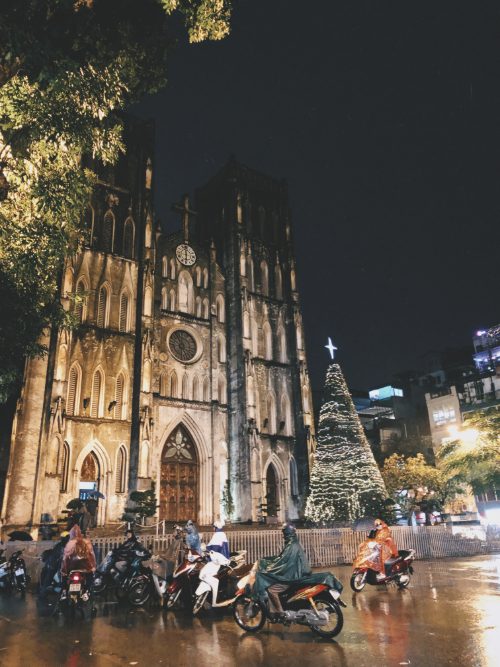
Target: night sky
385,120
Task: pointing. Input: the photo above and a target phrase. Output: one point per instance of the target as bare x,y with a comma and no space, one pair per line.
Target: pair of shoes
380,576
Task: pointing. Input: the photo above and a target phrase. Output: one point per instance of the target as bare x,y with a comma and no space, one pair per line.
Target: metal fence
323,546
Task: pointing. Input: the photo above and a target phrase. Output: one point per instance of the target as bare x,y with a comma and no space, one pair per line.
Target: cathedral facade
186,368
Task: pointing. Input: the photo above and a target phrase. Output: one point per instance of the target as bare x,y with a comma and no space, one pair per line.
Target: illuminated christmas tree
346,483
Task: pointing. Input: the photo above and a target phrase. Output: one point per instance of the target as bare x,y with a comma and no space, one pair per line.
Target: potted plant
143,508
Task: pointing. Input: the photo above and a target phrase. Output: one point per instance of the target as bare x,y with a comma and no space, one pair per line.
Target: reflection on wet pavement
450,615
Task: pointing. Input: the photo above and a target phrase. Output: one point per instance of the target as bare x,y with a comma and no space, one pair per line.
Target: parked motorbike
185,579
219,579
75,594
119,569
13,574
316,606
397,570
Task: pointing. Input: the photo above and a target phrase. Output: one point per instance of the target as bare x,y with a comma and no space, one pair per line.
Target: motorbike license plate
73,588
335,594
19,572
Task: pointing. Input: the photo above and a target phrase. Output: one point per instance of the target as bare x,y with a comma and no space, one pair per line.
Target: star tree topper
331,348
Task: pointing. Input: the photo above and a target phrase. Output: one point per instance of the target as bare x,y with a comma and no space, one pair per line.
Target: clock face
182,345
185,254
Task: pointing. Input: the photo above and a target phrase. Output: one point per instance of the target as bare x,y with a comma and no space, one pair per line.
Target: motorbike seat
389,563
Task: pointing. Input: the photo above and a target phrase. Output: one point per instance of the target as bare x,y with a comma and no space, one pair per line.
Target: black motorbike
120,570
13,574
50,575
76,595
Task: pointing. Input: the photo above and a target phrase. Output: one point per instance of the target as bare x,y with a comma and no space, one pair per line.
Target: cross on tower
331,348
184,209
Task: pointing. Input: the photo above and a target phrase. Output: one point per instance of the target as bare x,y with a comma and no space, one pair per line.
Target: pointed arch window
205,309
173,385
103,307
282,345
299,336
198,306
62,359
124,321
268,341
185,387
148,301
64,467
221,309
264,278
206,390
294,480
278,282
286,416
148,233
121,470
196,389
205,278
74,388
293,284
246,324
164,383
164,298
185,292
172,300
172,269
250,277
97,398
81,301
108,231
305,398
146,376
197,276
128,238
120,410
271,413
221,349
164,267
221,390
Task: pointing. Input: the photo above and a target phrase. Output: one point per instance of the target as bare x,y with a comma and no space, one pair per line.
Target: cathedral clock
185,254
182,345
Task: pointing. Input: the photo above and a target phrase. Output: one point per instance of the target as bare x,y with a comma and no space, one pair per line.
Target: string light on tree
346,483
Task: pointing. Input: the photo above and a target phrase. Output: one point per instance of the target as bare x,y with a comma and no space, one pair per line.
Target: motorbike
75,594
219,579
184,579
317,606
119,569
13,575
397,570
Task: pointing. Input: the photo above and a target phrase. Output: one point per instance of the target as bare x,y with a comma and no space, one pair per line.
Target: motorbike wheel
172,599
403,581
358,581
199,602
335,621
249,614
139,592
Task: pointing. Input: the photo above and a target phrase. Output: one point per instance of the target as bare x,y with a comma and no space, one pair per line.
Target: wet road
450,615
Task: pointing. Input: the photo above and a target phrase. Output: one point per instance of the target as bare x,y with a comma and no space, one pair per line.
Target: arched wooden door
179,478
272,497
89,476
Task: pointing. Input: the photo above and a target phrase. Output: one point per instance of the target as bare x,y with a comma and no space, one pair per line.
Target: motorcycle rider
386,547
218,550
52,559
274,574
78,555
193,540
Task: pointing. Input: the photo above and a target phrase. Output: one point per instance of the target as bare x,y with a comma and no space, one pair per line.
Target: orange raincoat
388,548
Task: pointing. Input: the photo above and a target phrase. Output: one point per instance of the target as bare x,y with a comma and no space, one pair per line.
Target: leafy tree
475,455
144,505
345,479
413,483
66,68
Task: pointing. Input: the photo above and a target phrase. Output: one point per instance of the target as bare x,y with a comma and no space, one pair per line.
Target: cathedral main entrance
179,477
89,476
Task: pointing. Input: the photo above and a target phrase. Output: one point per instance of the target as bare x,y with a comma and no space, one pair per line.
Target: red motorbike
397,570
185,579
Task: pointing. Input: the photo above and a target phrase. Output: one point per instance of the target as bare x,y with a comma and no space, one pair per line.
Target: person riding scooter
274,574
52,559
386,546
193,541
218,551
78,554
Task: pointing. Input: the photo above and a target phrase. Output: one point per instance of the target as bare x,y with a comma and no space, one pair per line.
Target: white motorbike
218,580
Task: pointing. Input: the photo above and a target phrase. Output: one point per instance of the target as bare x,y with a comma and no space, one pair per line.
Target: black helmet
288,530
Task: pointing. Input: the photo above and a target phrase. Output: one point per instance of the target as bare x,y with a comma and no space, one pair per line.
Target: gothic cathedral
187,368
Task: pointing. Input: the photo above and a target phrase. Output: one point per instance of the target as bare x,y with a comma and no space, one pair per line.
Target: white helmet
219,524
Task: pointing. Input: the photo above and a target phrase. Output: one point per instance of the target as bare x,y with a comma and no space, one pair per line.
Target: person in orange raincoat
387,546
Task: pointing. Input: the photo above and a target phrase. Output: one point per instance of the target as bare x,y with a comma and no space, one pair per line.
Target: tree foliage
413,483
66,68
475,457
